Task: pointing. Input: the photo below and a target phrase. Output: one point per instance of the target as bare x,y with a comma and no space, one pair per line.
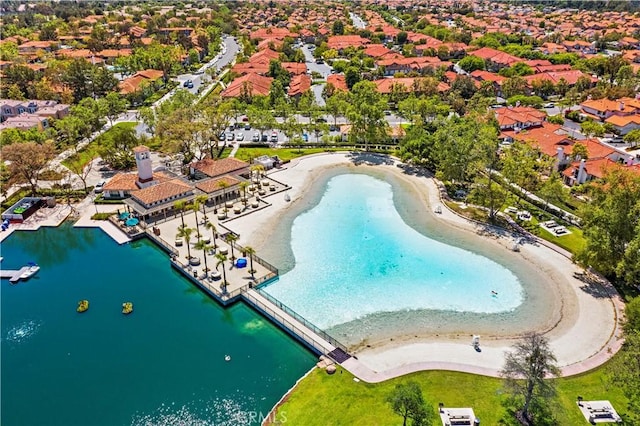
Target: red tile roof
216,168
339,42
161,191
299,84
495,56
338,81
212,185
254,84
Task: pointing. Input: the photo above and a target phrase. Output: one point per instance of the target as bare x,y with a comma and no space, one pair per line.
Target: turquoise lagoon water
355,256
164,364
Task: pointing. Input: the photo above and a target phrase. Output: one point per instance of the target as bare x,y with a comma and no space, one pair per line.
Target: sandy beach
579,318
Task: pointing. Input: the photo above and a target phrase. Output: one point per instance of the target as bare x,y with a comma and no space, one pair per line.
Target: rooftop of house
216,168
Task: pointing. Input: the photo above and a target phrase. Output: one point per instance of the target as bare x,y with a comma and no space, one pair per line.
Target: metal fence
301,334
300,319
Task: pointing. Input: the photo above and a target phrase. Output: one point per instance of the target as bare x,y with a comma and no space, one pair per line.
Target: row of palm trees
185,232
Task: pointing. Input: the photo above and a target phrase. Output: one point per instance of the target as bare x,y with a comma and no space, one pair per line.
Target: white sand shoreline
583,334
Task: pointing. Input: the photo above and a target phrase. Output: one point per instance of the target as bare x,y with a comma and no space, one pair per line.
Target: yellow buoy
127,308
83,305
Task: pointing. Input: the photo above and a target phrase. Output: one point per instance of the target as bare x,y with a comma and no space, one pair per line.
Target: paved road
357,21
323,69
229,51
317,92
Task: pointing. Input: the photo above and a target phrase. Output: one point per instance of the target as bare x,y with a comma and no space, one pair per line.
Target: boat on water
127,308
83,305
32,269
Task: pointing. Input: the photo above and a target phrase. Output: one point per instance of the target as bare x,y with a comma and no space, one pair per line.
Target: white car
99,187
240,137
256,137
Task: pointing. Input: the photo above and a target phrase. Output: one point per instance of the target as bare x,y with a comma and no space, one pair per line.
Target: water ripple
22,331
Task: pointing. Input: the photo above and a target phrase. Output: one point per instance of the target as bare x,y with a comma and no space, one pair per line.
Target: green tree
209,225
624,371
230,238
591,128
250,251
117,147
402,37
114,105
514,86
185,232
471,63
26,162
406,400
579,151
180,205
524,372
366,114
553,191
610,226
351,76
222,258
633,137
202,245
519,166
338,27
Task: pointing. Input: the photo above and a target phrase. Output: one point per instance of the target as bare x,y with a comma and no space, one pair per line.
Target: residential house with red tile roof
272,32
294,68
495,79
624,124
405,65
299,84
519,117
495,59
340,42
140,80
248,85
338,81
601,109
409,85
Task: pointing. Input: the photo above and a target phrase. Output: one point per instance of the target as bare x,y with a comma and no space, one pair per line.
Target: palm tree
180,205
243,187
214,233
230,238
201,245
185,233
202,200
258,169
224,185
250,251
221,259
195,207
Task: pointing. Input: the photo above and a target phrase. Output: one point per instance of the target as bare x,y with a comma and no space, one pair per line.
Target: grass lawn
285,154
90,151
320,399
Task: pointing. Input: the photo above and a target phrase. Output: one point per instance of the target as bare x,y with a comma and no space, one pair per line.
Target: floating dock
12,274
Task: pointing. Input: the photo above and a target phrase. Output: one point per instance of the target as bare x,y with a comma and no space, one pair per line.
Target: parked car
230,136
187,82
247,126
333,128
264,138
256,137
99,187
240,137
222,136
190,85
274,136
548,105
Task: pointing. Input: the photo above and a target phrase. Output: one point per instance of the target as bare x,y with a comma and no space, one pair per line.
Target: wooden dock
12,274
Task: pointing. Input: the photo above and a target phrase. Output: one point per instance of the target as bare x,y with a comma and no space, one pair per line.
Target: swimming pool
356,257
